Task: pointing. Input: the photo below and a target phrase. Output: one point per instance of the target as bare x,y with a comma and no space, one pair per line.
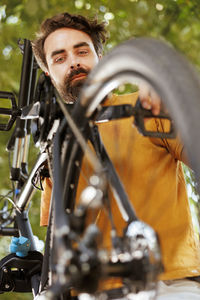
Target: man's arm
151,100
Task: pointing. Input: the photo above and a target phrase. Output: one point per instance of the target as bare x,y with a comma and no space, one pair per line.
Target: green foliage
174,21
194,197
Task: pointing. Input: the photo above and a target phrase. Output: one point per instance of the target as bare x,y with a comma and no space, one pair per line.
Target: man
67,48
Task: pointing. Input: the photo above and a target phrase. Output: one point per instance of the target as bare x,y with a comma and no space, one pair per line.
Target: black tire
168,72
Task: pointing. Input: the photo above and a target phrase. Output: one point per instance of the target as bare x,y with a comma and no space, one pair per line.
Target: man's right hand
149,98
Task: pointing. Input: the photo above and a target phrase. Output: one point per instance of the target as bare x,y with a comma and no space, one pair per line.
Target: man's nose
74,62
75,66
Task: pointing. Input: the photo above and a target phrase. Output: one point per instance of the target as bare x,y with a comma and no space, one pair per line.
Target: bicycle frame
55,121
19,144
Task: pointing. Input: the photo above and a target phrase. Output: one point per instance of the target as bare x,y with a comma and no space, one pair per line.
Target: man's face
70,56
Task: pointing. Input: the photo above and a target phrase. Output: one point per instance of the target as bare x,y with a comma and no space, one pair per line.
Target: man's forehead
66,37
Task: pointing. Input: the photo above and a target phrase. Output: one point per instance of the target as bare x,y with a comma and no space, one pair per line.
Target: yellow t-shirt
154,180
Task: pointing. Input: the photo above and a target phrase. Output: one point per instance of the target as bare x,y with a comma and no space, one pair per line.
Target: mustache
75,72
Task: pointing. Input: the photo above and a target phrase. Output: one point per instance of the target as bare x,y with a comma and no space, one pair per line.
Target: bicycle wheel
158,64
132,155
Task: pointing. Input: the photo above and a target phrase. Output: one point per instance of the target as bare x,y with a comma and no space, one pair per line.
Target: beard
70,90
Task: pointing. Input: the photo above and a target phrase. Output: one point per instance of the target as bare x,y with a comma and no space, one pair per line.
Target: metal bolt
5,270
91,123
95,180
73,269
7,286
85,267
77,163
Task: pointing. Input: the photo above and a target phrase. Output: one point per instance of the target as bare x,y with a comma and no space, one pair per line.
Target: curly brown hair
95,30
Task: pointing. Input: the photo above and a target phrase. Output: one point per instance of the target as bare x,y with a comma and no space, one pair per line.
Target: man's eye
59,59
83,52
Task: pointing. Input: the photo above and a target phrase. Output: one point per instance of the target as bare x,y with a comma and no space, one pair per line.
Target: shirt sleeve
174,146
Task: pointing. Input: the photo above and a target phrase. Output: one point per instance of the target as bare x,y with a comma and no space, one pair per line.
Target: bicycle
72,257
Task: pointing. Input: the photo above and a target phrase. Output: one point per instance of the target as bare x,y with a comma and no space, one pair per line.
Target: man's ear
100,56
